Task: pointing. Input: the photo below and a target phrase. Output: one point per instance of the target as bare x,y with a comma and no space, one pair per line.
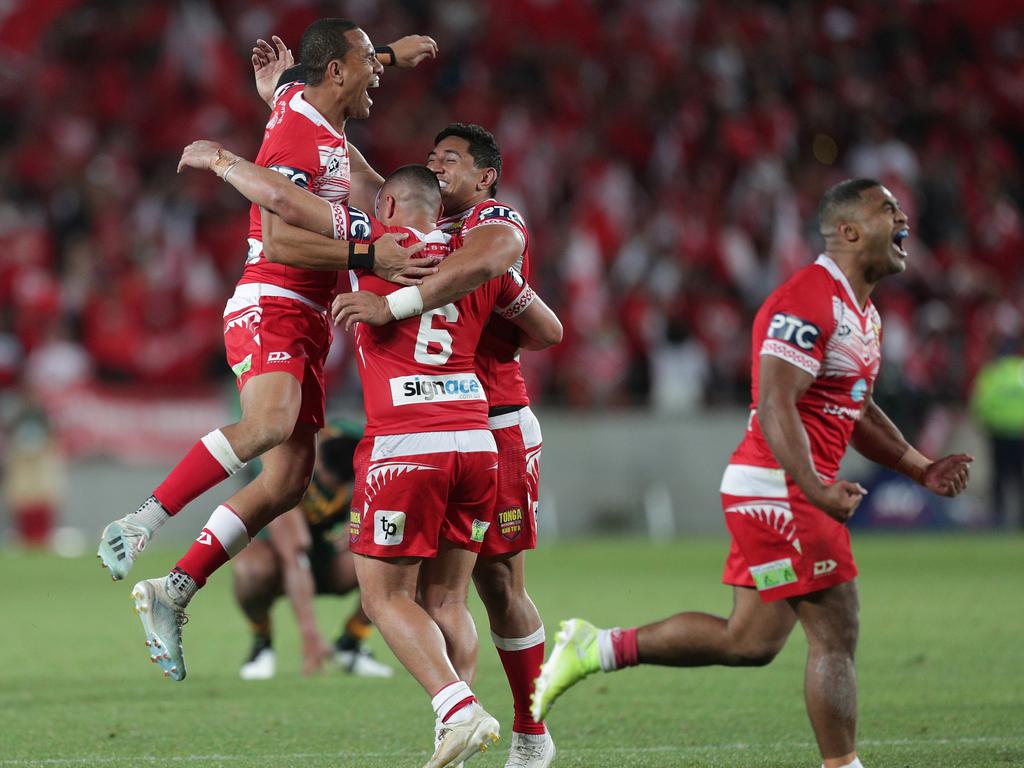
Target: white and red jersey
813,321
497,356
419,374
302,145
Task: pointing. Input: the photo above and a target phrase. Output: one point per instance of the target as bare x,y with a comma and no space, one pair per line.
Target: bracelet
389,51
360,260
405,302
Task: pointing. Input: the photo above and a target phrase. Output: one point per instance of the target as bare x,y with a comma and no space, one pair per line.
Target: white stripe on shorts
527,422
763,482
420,443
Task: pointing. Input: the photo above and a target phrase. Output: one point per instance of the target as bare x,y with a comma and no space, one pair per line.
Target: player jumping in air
277,335
816,343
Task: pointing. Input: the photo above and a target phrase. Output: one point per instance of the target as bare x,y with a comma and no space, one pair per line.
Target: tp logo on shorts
479,530
388,527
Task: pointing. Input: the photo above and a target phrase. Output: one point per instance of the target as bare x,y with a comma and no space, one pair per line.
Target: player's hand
839,500
399,265
412,49
314,653
948,476
360,307
199,154
268,62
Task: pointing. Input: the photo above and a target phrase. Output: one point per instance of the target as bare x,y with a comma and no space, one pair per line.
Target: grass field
941,666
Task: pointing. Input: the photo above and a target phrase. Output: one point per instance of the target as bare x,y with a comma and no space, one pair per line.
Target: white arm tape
517,307
405,302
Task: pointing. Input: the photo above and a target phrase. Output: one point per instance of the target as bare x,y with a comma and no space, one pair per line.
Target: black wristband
360,260
386,49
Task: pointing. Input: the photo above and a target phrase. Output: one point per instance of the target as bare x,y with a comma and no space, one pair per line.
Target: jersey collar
833,269
299,104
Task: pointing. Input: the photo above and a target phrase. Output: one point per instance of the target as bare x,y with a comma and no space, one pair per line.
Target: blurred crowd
667,155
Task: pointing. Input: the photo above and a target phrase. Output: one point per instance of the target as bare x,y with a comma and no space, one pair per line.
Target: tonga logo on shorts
354,525
510,523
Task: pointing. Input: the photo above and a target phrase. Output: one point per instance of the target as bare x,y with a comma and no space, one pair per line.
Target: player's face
885,228
362,72
462,183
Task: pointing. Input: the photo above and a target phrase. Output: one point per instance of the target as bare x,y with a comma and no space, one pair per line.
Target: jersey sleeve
801,322
289,147
497,214
514,295
354,225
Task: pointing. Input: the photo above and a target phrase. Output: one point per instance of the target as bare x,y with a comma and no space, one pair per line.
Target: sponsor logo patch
358,225
354,525
510,523
409,390
278,357
824,567
294,175
479,530
774,574
859,391
239,369
792,330
501,212
388,527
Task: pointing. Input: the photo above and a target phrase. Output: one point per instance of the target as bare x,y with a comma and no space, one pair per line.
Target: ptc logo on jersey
388,527
502,212
294,175
358,225
792,330
510,523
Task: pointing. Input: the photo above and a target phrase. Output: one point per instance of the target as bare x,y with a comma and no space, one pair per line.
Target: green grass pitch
941,665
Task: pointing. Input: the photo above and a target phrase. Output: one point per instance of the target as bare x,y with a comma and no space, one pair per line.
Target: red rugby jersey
497,355
419,374
300,143
813,321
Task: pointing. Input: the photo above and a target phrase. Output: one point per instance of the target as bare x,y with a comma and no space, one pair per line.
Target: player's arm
487,252
366,182
289,536
876,438
539,327
781,385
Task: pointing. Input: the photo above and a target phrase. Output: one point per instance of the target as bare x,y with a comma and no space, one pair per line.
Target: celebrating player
303,553
816,345
277,337
467,162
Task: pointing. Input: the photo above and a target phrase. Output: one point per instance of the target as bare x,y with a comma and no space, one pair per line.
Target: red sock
625,647
223,537
210,461
522,658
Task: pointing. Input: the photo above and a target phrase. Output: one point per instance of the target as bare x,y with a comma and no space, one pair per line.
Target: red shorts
411,490
518,438
782,544
268,333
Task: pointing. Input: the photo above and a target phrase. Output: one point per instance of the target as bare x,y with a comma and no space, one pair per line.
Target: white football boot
162,620
123,540
262,664
531,750
361,663
461,741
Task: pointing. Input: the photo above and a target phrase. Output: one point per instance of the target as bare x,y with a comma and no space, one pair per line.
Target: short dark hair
337,454
420,179
841,195
482,147
322,42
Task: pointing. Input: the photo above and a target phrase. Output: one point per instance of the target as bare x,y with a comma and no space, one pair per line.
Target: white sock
605,651
221,450
150,515
513,644
447,698
229,530
855,764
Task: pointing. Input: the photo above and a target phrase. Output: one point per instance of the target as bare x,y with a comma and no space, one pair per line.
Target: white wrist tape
405,302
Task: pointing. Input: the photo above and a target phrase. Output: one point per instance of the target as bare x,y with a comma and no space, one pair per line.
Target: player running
277,336
467,162
302,554
816,344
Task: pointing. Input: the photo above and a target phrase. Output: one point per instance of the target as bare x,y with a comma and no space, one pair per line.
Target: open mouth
375,83
897,241
442,183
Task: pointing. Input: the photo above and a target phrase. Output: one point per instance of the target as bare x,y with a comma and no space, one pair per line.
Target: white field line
691,749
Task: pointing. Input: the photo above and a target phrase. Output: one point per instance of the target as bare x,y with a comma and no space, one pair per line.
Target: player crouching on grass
304,553
816,353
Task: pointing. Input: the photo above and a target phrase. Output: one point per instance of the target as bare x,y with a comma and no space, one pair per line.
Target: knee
266,430
758,654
